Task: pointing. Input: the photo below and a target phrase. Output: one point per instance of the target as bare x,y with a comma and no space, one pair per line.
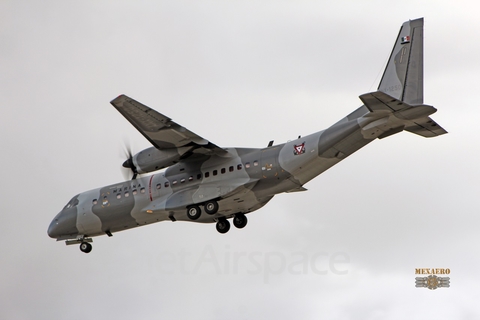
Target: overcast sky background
238,74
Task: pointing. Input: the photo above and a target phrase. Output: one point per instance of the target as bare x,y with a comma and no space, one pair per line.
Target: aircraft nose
53,229
64,224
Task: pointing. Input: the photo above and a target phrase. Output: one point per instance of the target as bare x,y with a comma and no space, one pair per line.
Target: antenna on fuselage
270,143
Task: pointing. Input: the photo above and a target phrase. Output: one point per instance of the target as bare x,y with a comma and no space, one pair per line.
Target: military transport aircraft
207,183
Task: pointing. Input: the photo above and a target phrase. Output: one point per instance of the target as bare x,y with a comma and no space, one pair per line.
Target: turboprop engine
153,159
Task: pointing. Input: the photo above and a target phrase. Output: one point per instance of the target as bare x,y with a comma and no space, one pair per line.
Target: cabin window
230,169
174,182
199,176
183,180
247,165
223,170
119,195
167,184
239,166
207,174
95,201
215,172
255,163
190,178
134,192
159,186
142,190
127,194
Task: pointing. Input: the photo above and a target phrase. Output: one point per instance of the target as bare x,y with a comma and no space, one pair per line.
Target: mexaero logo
299,149
432,282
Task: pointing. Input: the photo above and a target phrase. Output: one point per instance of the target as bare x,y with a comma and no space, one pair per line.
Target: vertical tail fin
403,76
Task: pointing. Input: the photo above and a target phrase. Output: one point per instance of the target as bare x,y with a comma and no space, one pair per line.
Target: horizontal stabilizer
416,118
426,127
379,100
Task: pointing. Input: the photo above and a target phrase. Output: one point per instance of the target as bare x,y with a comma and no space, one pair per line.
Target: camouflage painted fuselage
243,180
237,181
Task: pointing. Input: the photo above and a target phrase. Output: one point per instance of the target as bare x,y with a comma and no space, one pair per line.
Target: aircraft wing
159,129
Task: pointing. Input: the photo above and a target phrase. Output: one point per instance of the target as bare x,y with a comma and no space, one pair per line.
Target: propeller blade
128,164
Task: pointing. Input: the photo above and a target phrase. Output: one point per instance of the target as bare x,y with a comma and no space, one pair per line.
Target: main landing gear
211,207
239,221
194,212
223,225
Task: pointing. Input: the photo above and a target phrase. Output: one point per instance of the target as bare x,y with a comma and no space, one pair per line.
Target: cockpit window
72,203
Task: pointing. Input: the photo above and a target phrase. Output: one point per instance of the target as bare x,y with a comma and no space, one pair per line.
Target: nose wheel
85,247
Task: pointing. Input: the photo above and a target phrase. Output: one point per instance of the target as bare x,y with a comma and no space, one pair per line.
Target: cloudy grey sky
239,73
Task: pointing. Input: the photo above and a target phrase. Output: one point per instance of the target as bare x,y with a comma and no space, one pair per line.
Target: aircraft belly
315,168
147,218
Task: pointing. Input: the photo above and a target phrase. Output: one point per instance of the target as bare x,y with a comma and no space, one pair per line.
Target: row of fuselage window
174,182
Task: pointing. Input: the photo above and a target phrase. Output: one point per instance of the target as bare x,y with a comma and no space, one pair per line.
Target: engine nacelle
152,159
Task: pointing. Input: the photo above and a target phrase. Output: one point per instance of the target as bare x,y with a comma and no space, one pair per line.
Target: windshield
72,203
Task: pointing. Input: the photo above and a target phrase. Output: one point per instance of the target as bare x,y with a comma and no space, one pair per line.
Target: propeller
128,164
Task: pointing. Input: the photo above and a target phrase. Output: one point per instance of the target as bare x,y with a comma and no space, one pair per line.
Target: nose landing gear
85,247
84,242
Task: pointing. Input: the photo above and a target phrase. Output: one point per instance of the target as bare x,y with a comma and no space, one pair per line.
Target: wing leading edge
160,130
